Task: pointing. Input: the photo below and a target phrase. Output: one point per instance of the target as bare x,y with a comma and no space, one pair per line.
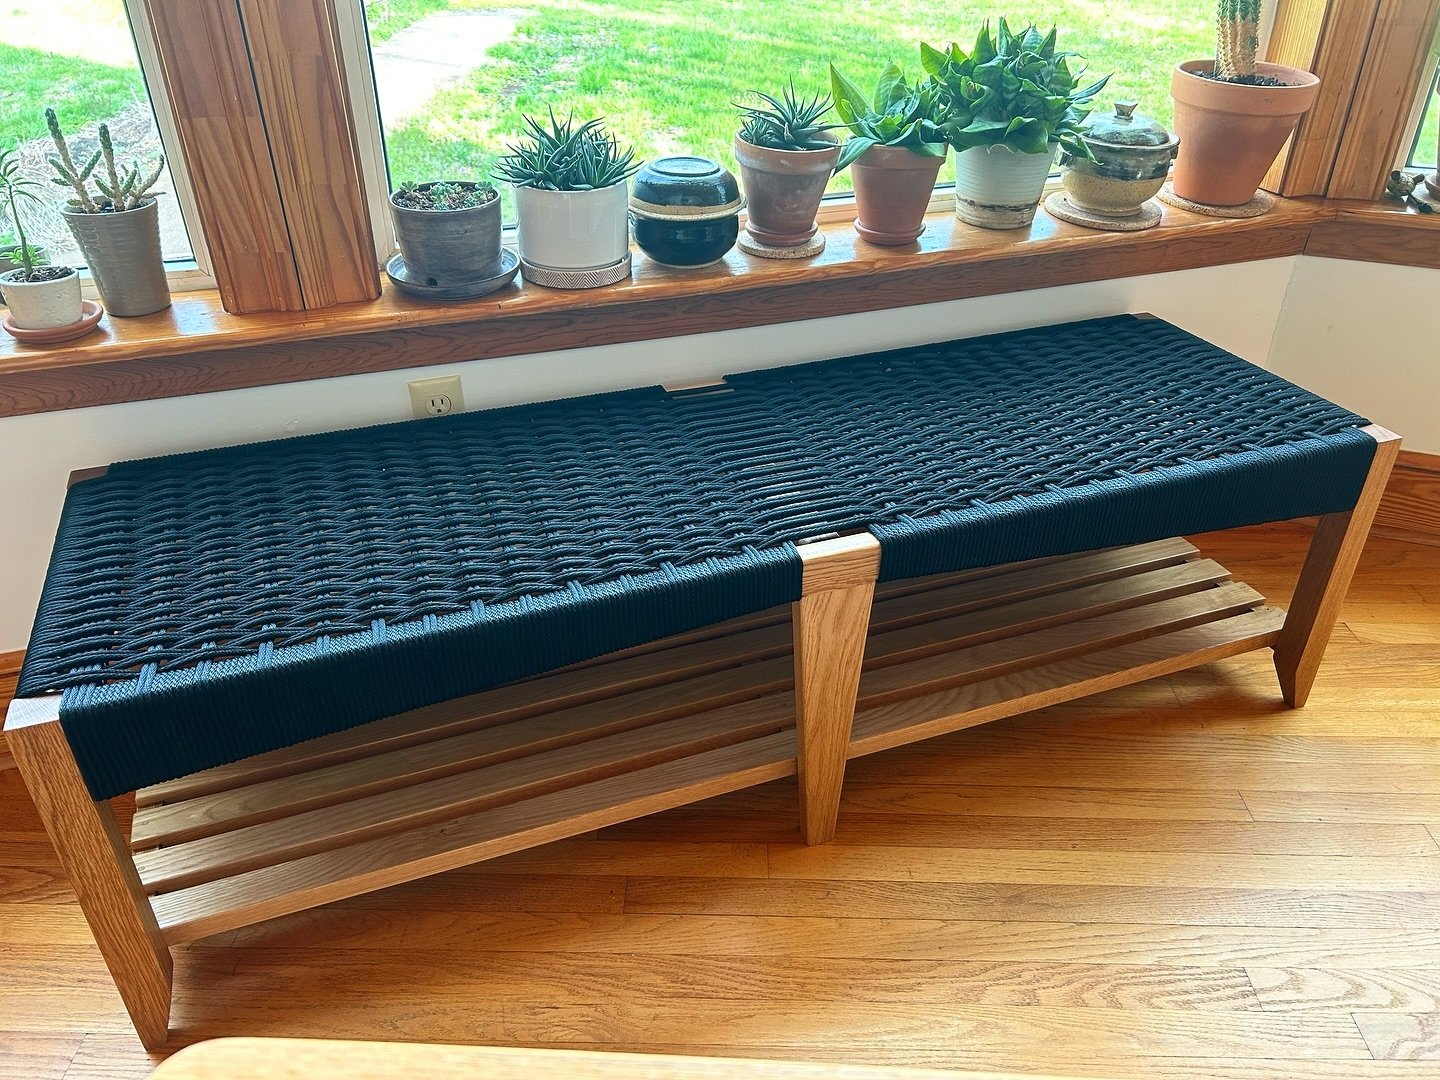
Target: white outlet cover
423,391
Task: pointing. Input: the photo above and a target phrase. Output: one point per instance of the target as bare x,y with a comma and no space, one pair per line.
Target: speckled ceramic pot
1132,156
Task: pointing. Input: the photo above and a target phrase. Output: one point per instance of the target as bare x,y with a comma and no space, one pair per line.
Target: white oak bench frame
656,727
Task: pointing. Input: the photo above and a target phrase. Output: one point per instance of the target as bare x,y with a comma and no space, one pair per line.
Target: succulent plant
562,156
120,188
788,122
443,195
1013,90
898,114
1237,39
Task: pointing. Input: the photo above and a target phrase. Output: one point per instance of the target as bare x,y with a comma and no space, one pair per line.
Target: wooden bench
332,664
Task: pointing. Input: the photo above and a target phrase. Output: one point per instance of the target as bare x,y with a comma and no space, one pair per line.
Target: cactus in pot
117,225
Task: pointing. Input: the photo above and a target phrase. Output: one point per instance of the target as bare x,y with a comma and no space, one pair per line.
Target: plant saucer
54,335
408,283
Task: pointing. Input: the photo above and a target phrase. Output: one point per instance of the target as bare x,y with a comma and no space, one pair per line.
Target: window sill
197,347
1380,232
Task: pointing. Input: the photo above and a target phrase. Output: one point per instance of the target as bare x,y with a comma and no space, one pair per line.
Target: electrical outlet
436,397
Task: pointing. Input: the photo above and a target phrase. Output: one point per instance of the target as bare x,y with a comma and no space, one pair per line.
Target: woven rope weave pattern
955,455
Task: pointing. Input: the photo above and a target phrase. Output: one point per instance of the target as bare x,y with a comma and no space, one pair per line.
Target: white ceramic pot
42,305
998,188
574,230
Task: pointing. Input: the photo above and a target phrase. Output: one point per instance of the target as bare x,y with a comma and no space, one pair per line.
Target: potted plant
1009,104
786,158
896,150
40,297
572,201
10,252
1232,113
448,231
118,227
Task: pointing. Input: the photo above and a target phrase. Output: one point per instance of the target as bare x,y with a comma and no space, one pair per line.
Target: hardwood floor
1175,880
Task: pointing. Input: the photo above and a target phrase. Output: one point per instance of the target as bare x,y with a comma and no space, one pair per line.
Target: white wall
1235,306
1367,336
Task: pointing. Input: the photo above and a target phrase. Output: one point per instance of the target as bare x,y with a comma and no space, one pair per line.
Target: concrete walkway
418,61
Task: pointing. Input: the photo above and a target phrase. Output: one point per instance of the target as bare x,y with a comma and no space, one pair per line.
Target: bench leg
97,861
831,621
1329,565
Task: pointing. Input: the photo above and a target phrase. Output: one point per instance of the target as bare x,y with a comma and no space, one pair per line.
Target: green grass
664,73
80,91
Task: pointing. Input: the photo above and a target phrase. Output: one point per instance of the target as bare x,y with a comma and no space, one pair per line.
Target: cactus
120,189
1237,25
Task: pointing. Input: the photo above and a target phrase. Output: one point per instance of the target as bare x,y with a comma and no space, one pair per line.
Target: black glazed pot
685,210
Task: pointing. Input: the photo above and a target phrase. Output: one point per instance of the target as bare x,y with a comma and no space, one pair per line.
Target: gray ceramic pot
123,253
449,247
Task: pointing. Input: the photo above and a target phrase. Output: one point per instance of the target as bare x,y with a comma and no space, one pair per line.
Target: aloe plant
1012,90
897,114
1237,39
120,188
788,122
564,156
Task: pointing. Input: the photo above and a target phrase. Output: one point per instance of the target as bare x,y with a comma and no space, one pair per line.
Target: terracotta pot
1230,133
783,189
893,186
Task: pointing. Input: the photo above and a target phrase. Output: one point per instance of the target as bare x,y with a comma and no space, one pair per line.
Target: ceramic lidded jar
685,211
1132,159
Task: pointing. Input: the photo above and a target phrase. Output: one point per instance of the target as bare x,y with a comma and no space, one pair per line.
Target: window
1425,147
453,77
81,58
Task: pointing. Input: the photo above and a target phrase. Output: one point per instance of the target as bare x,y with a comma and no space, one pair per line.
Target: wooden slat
1397,59
1378,233
294,54
265,800
318,879
1055,643
207,75
198,861
1401,1036
636,670
881,727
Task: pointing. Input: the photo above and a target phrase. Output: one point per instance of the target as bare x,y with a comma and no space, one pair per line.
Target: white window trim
364,100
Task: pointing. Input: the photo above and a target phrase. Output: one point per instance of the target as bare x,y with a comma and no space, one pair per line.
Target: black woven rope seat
210,606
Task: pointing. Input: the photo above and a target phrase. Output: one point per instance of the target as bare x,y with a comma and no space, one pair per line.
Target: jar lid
1126,128
684,186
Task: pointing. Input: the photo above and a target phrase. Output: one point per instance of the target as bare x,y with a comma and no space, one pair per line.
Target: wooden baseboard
1411,507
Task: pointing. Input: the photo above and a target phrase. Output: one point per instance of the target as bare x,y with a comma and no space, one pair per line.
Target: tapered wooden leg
97,861
831,621
1329,565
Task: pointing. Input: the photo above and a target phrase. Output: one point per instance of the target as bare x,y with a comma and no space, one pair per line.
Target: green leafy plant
120,188
788,122
443,195
16,188
898,114
562,156
1013,90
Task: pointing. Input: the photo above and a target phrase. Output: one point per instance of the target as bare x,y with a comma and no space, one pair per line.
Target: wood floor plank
338,926
116,1057
1401,1036
32,1055
1374,807
1212,906
582,978
1075,834
1412,990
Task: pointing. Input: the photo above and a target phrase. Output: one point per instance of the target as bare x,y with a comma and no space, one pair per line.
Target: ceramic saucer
53,335
406,282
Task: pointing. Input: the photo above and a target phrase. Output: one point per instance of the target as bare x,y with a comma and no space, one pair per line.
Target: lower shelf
667,724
